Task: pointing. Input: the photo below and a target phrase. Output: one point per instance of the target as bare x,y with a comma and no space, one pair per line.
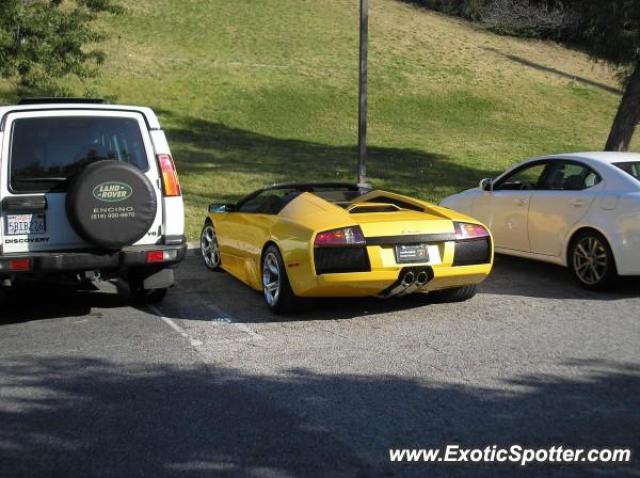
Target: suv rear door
41,150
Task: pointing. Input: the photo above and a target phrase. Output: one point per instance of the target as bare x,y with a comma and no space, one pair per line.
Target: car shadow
40,301
205,296
208,296
89,417
535,279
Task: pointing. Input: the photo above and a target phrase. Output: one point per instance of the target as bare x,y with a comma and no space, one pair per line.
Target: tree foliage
530,19
609,30
42,41
469,9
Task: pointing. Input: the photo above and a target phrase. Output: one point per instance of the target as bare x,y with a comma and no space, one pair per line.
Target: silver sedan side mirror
486,184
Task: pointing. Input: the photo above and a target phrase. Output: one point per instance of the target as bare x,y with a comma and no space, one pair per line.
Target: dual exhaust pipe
410,278
410,281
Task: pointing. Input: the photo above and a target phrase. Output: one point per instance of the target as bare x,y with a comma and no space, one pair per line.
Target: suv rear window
45,152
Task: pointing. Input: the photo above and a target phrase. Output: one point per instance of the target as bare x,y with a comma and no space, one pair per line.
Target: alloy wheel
209,247
271,278
590,260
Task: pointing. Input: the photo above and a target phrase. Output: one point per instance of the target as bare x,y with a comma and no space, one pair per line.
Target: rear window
340,197
45,152
632,168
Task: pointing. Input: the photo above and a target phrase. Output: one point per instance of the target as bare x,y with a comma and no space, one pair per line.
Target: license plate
26,224
412,253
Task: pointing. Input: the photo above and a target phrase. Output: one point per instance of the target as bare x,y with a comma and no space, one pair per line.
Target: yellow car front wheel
209,247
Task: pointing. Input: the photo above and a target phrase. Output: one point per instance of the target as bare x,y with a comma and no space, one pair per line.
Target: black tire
209,248
283,300
111,204
457,294
140,295
151,296
591,261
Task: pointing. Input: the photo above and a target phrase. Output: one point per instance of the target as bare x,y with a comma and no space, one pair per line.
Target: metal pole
362,95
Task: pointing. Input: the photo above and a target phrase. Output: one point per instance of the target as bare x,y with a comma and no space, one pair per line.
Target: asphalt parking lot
210,384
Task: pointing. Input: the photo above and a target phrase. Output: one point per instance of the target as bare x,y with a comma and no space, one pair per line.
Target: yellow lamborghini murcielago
340,240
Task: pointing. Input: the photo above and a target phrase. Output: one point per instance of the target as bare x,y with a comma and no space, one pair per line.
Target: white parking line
174,326
223,317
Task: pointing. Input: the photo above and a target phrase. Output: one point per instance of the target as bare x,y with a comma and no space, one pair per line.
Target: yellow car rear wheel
456,294
276,288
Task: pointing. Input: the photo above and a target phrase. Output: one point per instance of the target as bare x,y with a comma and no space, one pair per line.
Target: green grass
251,92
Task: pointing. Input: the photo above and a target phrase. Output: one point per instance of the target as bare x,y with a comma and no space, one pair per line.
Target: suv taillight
16,265
170,183
161,256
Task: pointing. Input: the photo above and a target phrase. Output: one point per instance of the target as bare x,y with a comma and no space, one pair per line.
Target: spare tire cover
111,204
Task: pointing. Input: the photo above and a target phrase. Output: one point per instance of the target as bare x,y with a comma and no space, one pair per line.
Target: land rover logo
112,191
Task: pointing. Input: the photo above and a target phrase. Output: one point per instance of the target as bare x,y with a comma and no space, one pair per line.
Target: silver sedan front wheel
209,247
592,261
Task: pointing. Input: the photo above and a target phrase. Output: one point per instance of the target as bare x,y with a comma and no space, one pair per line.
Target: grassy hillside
253,92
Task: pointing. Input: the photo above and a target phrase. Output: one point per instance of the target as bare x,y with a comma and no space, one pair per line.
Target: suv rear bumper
128,257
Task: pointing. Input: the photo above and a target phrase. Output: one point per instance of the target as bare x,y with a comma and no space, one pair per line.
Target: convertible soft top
314,186
345,191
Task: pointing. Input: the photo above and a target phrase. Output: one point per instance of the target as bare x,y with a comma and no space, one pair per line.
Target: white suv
88,191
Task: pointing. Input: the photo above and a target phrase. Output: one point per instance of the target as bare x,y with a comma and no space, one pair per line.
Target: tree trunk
628,115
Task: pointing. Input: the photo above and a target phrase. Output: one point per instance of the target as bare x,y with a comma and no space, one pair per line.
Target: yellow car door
225,219
246,231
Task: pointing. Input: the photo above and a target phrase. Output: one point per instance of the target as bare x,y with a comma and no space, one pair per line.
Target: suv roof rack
40,100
